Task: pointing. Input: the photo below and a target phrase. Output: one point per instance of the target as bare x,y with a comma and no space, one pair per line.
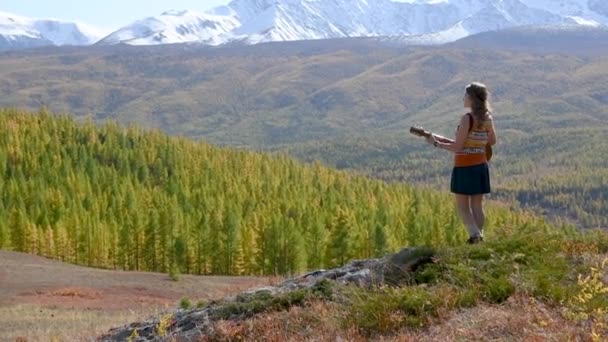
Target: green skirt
471,180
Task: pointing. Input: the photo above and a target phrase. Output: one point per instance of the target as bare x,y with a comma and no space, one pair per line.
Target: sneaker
475,240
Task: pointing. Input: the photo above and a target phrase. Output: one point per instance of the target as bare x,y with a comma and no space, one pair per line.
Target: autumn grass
557,268
36,323
519,319
521,285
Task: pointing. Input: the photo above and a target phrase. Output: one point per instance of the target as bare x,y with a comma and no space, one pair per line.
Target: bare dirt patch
43,299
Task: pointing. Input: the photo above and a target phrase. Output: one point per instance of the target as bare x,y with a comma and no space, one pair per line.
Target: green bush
185,303
323,288
373,311
174,273
498,290
418,301
466,298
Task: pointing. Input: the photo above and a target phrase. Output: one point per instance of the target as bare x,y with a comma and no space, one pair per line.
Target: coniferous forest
350,103
124,198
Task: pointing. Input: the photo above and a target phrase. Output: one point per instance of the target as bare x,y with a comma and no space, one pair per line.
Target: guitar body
421,132
489,152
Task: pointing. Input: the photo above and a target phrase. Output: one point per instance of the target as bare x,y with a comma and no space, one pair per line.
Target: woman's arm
492,133
461,137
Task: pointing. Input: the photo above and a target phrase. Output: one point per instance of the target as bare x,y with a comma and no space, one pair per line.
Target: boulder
394,269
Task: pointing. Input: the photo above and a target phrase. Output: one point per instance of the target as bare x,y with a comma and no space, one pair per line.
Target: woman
470,176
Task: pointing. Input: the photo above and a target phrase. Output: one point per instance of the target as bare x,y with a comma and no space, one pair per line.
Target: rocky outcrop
188,325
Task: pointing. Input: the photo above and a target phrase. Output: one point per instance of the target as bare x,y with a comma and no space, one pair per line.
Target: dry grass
318,321
26,278
46,300
31,322
520,319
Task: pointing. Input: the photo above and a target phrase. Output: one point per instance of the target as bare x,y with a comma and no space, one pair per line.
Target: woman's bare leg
477,210
463,207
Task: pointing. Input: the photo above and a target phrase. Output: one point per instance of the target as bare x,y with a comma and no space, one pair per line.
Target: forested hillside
125,198
349,103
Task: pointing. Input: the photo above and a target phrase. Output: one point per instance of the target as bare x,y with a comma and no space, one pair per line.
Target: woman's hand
432,140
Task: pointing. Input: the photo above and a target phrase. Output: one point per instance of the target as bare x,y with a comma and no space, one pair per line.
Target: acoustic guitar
421,132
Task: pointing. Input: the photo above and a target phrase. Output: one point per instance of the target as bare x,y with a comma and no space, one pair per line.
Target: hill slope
349,103
136,200
531,283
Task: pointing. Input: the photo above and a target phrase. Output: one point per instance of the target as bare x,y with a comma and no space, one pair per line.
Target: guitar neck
438,137
426,134
443,139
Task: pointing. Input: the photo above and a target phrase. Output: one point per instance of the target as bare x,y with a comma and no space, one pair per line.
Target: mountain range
257,21
17,32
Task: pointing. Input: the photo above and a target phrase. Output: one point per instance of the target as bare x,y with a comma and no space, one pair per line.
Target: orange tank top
474,149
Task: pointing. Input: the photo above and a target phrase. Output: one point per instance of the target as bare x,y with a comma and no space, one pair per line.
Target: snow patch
16,28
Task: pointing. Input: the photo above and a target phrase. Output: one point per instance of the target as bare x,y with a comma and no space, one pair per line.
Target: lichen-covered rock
394,269
399,268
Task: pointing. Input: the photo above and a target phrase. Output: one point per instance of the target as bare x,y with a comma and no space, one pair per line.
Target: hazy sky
105,14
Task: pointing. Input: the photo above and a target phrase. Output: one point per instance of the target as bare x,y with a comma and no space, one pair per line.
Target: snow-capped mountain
497,15
175,27
584,12
21,32
429,21
256,21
